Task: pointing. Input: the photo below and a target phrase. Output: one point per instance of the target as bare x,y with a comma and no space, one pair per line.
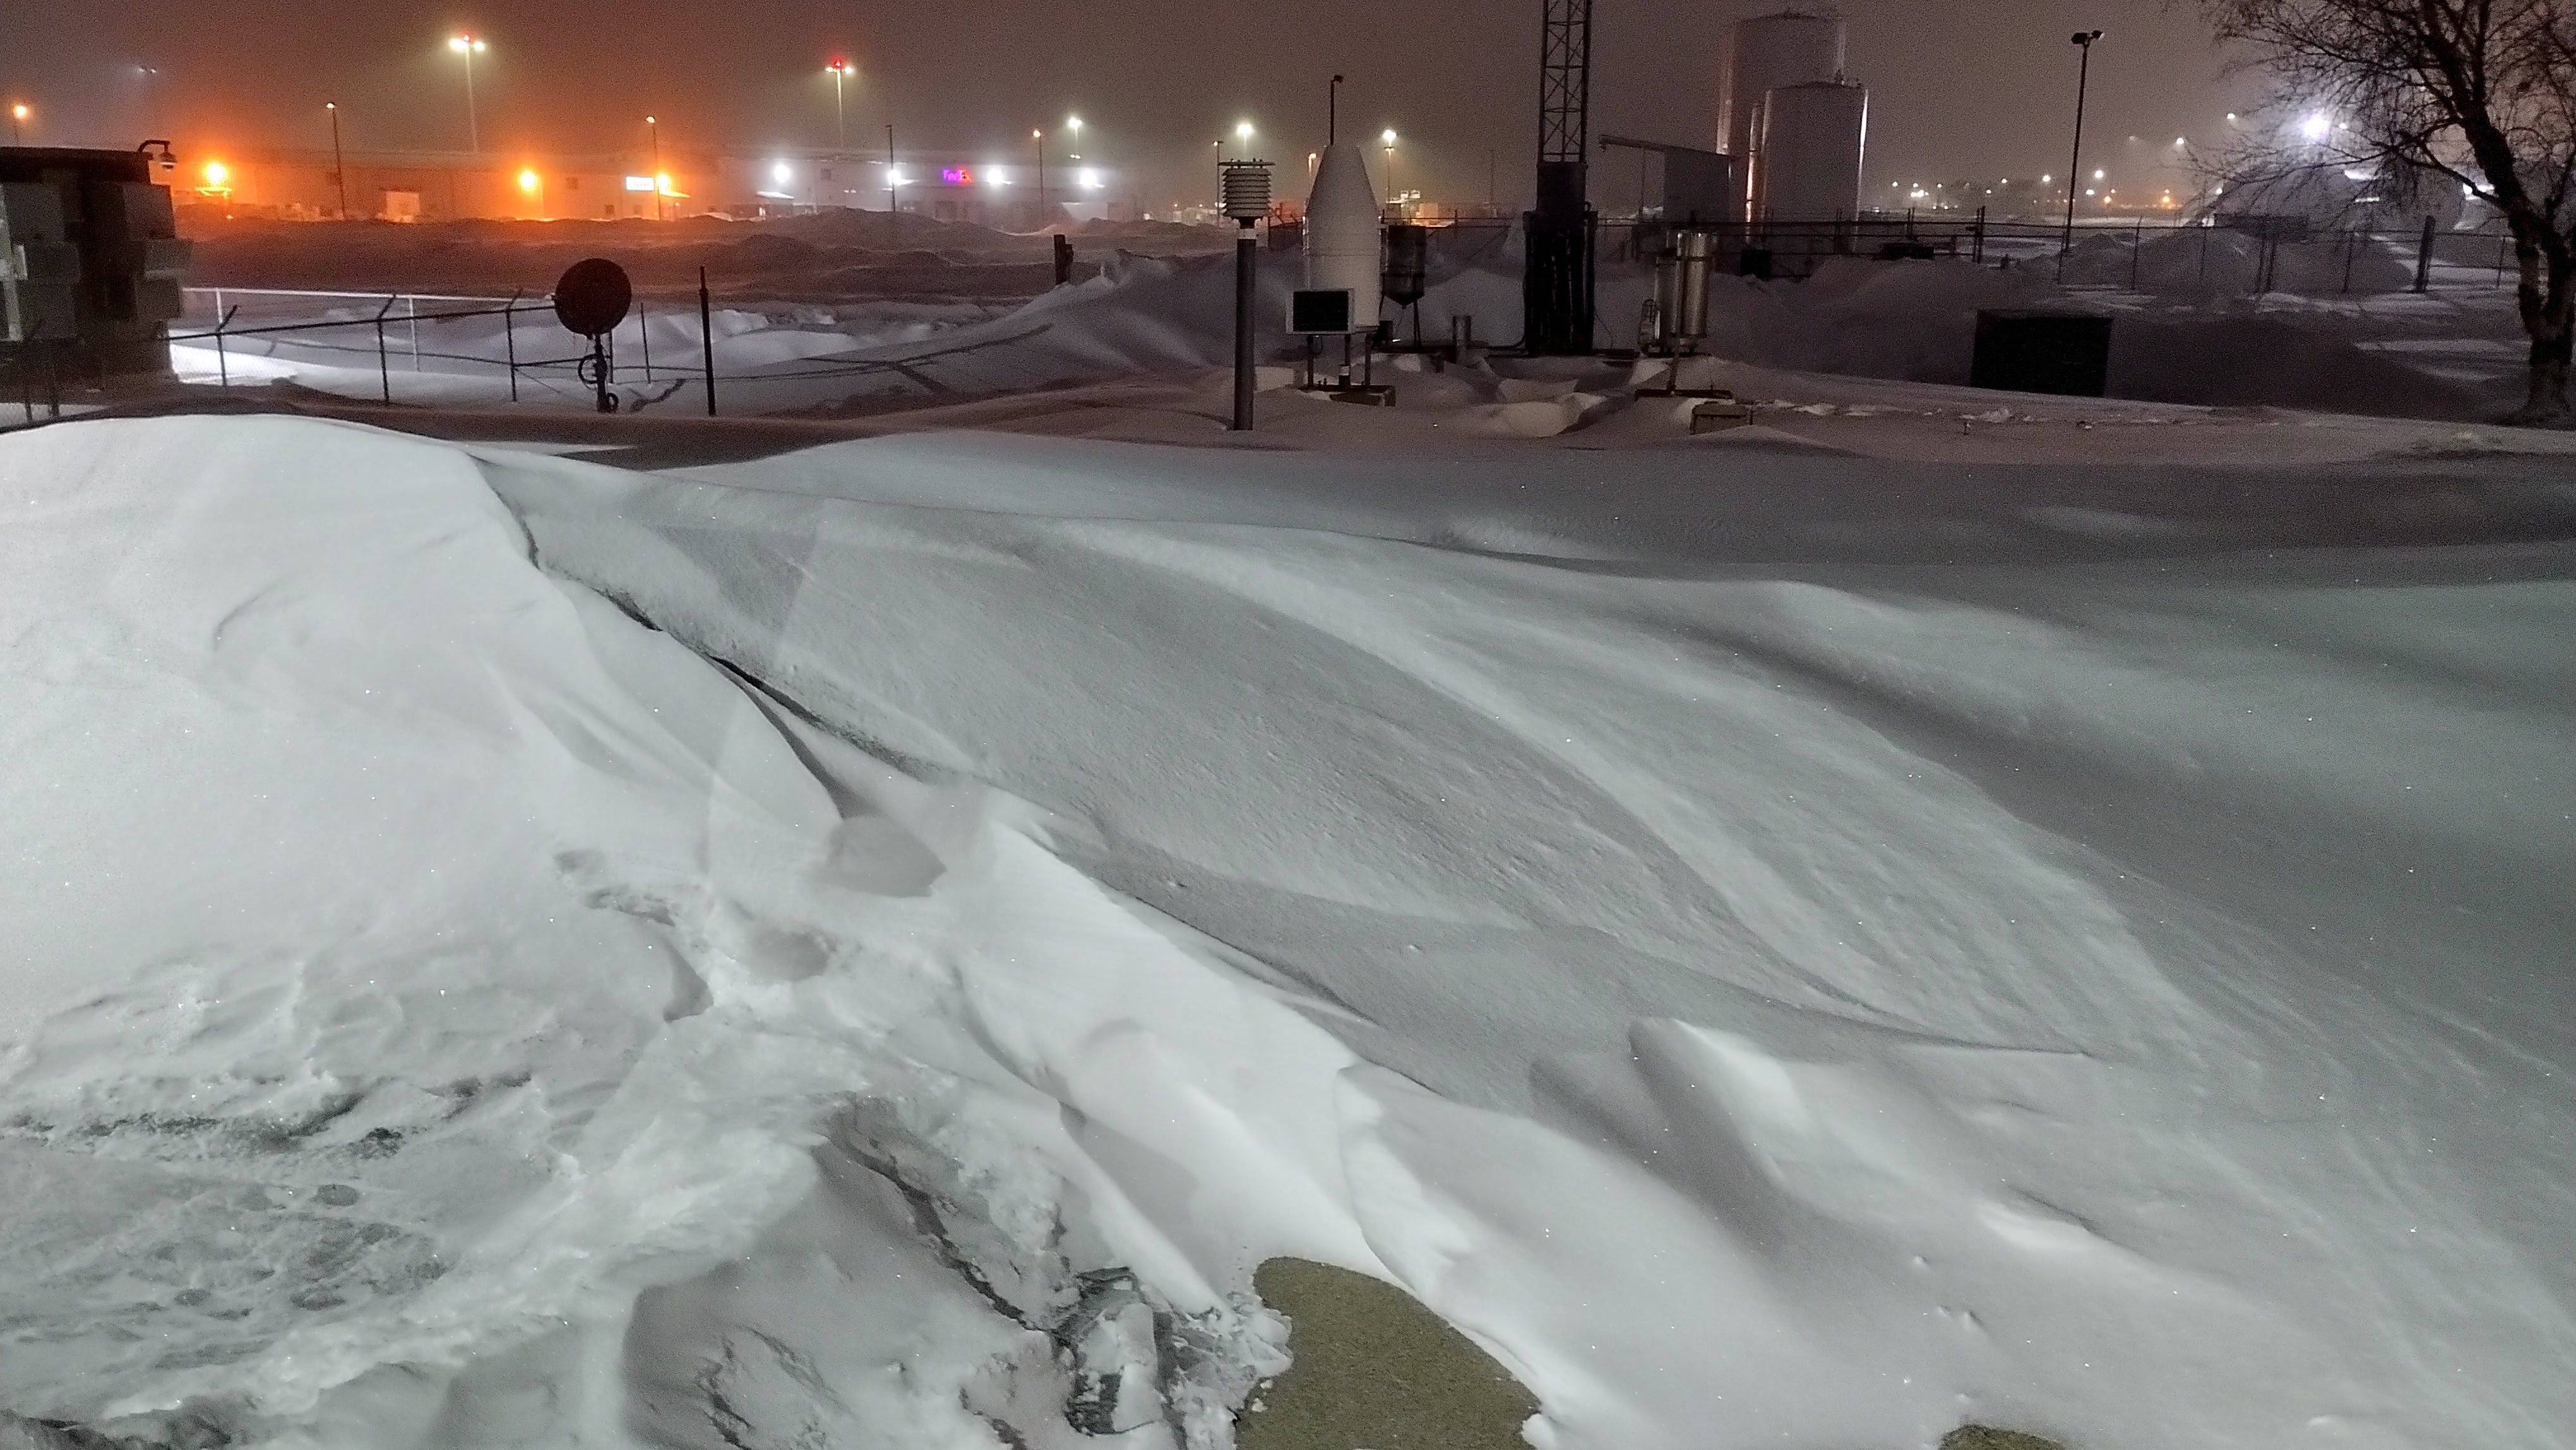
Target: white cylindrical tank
1342,232
1791,48
1807,154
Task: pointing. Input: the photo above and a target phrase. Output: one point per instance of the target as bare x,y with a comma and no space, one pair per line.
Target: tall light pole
469,46
339,171
1394,203
841,71
2083,40
18,115
661,183
1074,124
1037,135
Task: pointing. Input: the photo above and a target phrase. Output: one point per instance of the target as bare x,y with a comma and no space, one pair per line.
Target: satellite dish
593,297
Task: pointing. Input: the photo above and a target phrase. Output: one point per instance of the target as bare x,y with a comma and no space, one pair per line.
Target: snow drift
1798,950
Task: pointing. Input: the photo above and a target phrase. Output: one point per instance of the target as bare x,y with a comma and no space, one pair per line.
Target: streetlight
18,115
1386,138
1074,124
469,46
1243,133
535,186
2083,40
339,171
661,182
1038,136
841,71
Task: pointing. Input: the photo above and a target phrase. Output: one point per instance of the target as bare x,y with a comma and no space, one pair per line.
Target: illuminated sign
639,183
957,175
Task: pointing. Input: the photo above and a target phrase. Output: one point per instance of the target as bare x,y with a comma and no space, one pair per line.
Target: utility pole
2083,40
1038,135
892,231
339,171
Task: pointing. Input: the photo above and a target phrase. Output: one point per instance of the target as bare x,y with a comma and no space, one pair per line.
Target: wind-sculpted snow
1780,950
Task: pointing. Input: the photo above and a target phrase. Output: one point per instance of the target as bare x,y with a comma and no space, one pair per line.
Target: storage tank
1342,233
1791,48
1807,154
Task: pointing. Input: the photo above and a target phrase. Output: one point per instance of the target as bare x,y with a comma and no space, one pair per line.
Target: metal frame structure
1557,286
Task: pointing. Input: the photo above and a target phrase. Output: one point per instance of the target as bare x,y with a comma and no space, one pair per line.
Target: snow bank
1766,945
2215,262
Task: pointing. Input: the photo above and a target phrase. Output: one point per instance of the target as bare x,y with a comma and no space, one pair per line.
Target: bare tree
2480,91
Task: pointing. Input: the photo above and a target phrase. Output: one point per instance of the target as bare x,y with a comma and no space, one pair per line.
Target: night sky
1958,90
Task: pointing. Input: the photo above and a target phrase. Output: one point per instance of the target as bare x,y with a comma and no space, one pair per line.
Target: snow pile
1767,945
2213,262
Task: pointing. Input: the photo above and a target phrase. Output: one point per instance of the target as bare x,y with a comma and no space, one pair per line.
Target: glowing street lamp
661,178
18,115
1243,133
1074,124
1386,139
840,71
534,187
469,46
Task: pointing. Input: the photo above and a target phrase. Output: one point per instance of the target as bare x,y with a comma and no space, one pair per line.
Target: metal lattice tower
1556,287
1565,82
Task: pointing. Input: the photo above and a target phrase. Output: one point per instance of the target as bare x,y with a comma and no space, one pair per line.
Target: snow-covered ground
2187,337
1784,938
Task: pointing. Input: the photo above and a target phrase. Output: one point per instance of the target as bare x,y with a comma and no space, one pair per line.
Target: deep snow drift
1782,949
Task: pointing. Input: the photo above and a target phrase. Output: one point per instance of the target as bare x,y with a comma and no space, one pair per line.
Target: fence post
384,364
707,339
644,335
2137,244
2205,230
510,338
411,305
223,364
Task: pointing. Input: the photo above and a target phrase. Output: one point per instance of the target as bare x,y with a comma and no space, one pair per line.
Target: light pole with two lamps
840,71
469,46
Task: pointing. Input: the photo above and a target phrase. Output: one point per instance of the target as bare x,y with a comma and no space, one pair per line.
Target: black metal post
707,338
2137,249
892,231
2075,166
2424,257
1244,278
384,365
223,365
510,338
